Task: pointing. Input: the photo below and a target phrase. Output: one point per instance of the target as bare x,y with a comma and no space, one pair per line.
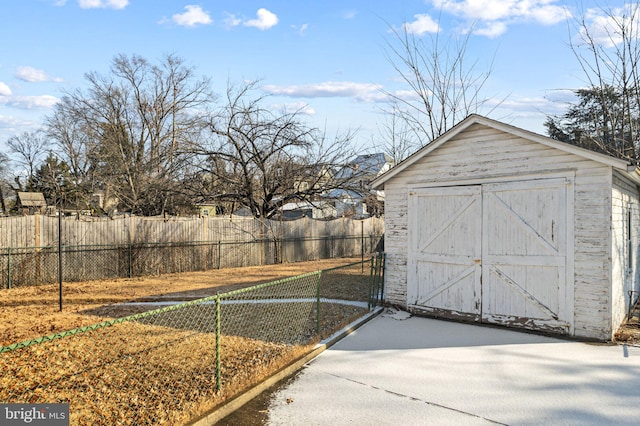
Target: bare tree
4,184
30,148
608,51
127,131
443,87
261,159
394,138
67,127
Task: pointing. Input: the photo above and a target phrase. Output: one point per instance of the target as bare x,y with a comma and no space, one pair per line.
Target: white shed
491,223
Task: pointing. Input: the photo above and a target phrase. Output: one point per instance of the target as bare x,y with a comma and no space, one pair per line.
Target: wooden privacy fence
31,252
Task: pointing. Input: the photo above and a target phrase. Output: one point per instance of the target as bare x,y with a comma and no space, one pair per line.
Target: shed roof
32,199
625,166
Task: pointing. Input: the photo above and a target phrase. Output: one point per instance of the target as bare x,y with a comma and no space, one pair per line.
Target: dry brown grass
629,332
147,381
31,312
145,373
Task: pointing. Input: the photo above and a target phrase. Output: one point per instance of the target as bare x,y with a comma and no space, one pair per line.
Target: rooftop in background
31,199
370,165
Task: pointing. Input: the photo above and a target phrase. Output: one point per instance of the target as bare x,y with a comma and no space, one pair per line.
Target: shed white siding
484,154
625,221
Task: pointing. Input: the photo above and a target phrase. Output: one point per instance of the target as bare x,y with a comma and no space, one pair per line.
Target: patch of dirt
31,312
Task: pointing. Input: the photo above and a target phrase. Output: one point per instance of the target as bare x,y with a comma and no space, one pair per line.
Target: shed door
445,259
493,252
524,254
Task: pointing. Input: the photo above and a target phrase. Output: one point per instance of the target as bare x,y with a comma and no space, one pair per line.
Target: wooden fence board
42,231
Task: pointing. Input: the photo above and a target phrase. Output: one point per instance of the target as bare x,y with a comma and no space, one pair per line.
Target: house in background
104,201
206,209
312,178
358,199
313,210
209,208
306,189
494,224
31,203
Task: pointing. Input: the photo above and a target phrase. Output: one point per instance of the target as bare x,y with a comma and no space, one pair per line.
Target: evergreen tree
53,179
602,120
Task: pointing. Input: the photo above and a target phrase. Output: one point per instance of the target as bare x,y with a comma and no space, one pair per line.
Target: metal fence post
9,267
331,247
318,303
218,354
371,278
362,245
383,261
376,283
60,272
130,260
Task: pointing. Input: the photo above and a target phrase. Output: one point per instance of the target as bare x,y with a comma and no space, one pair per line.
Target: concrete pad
424,371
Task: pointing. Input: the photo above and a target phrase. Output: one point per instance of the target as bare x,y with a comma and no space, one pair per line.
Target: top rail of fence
43,231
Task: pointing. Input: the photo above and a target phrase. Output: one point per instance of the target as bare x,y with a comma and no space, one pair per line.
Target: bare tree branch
608,52
30,148
127,132
442,87
261,159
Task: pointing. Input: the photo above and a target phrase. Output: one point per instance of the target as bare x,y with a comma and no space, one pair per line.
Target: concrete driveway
400,370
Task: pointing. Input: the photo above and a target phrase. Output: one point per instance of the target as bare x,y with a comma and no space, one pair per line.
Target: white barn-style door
445,251
494,253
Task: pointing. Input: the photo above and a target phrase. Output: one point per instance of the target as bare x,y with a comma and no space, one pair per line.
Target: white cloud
33,75
522,104
349,14
605,28
4,89
13,125
365,92
301,30
550,15
231,20
421,25
483,10
7,121
265,20
492,17
10,122
552,103
103,4
31,102
295,107
492,29
193,16
409,95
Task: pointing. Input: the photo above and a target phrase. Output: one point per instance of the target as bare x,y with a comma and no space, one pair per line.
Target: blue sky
326,56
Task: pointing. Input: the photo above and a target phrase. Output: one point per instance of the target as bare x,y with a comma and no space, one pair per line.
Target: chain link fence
40,265
171,364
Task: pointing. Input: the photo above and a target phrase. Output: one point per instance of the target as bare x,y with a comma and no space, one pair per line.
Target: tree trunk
2,204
